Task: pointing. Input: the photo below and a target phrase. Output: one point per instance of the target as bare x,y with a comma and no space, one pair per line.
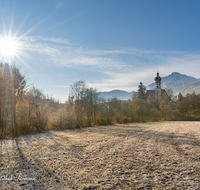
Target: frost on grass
163,155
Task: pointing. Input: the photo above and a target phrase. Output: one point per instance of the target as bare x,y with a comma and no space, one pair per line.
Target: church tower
159,95
158,81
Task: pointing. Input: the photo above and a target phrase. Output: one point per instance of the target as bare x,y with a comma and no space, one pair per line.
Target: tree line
25,109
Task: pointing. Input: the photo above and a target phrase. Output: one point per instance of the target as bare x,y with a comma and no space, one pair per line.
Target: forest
25,109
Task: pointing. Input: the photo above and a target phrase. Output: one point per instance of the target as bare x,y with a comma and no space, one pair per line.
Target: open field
161,155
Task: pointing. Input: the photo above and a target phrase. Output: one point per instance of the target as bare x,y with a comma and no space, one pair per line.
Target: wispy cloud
124,68
41,39
62,53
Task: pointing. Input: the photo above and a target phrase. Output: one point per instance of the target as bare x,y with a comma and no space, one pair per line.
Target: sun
8,47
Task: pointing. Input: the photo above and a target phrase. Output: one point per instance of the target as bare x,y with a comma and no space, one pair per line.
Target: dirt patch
161,155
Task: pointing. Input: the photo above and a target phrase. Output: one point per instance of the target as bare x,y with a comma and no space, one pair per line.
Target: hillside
175,81
190,88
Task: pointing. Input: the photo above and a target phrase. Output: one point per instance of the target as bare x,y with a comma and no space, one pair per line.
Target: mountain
175,81
120,94
190,89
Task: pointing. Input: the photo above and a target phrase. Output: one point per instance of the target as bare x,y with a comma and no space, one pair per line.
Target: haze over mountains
191,88
120,94
176,81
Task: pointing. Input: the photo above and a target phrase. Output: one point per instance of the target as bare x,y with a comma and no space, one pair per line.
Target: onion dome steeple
158,81
180,97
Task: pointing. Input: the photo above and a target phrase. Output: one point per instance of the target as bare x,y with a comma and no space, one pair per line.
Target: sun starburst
9,47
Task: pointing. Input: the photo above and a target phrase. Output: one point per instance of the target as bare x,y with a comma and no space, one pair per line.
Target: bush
101,121
63,118
172,115
155,115
126,119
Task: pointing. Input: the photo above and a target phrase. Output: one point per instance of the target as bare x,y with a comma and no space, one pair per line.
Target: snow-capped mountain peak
175,81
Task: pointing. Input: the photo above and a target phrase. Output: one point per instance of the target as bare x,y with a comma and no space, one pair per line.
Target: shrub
155,115
63,118
101,121
126,119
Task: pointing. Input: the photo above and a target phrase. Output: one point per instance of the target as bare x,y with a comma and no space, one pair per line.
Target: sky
110,44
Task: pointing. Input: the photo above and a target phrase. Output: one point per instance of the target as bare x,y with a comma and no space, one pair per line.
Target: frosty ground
159,155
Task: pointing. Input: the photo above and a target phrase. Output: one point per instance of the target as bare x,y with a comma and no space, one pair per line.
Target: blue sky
111,44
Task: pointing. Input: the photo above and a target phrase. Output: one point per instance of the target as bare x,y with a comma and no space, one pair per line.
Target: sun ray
3,23
12,45
9,60
11,25
36,25
19,28
18,57
9,47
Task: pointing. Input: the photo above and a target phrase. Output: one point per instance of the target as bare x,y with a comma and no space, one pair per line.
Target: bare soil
159,155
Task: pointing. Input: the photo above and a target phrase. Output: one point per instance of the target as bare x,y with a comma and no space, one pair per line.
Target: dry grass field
160,155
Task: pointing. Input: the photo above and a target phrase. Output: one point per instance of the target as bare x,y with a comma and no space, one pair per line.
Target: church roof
157,78
151,93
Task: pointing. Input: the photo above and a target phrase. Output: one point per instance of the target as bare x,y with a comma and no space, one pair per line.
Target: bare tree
37,112
12,88
84,100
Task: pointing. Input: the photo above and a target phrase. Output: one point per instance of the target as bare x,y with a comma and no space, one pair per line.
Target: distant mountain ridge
176,81
190,89
120,94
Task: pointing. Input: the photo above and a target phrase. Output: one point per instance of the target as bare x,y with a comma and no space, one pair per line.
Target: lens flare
8,47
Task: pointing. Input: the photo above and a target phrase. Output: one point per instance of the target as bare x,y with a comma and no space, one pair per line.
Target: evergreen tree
141,91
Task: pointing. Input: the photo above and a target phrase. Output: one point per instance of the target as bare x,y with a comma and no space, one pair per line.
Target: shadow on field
15,159
27,162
